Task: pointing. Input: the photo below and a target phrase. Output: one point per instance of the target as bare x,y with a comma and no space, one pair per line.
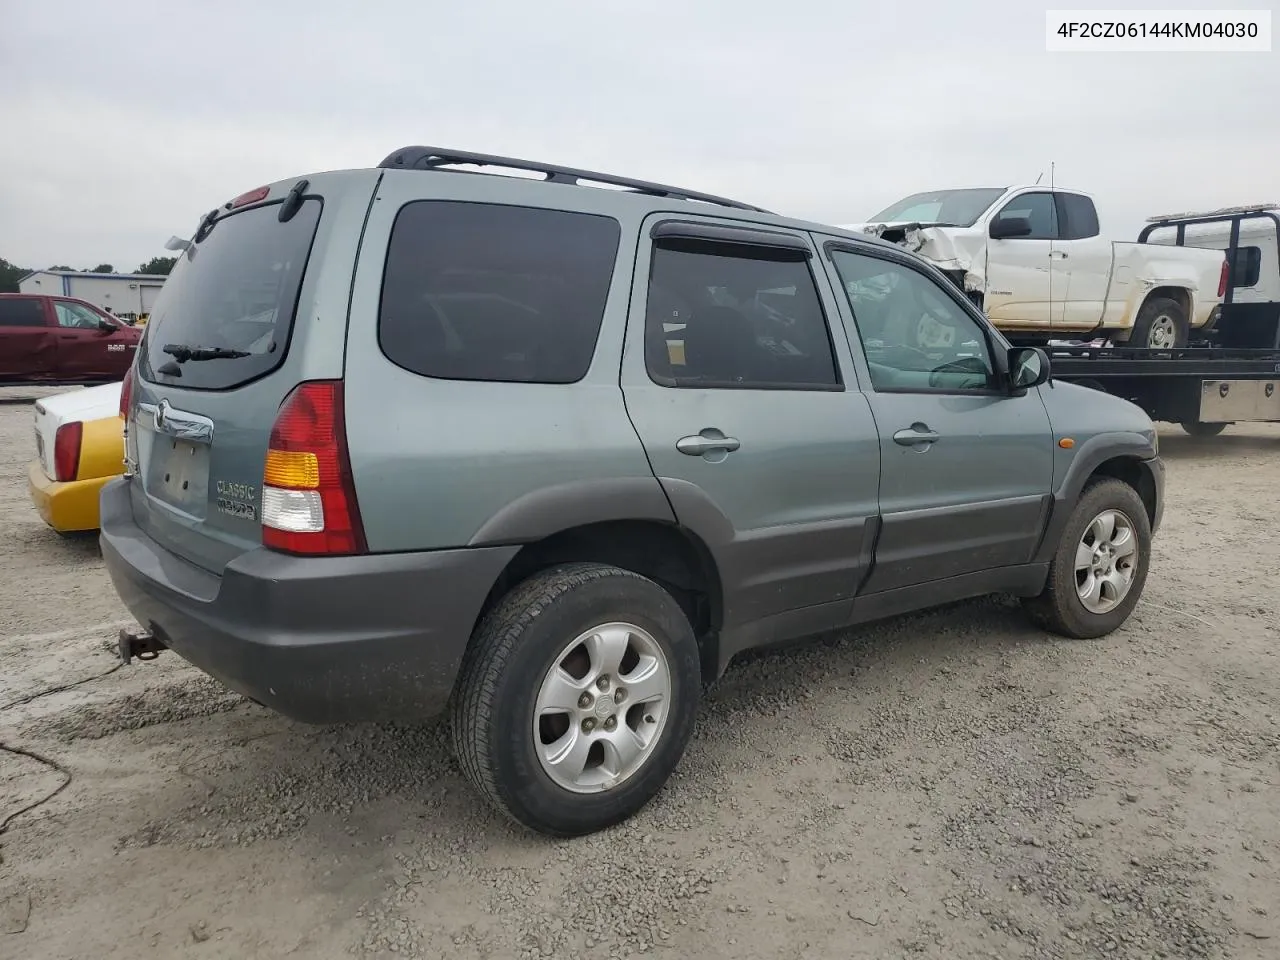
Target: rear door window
237,289
479,291
19,312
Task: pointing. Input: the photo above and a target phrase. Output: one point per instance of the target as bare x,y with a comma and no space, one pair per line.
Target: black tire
1156,317
1058,608
513,649
1196,428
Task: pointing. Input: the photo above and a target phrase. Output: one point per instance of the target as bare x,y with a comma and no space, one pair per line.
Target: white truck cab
1033,258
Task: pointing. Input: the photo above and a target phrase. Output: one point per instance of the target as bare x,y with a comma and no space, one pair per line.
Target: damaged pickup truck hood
954,249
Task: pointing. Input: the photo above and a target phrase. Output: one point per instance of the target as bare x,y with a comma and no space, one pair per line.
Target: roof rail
1221,212
433,158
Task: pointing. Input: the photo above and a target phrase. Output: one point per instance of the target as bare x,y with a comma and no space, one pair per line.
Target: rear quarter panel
1142,267
443,463
102,448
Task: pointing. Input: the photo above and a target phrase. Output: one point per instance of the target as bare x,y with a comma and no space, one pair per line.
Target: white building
128,295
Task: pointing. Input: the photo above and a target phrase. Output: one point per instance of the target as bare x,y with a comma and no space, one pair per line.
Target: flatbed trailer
1202,388
1232,374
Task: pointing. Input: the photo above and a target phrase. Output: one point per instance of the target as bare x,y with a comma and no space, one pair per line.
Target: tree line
11,273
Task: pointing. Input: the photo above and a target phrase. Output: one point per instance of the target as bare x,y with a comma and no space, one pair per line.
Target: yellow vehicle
79,447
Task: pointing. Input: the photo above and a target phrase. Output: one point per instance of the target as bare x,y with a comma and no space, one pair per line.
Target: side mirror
1002,228
1028,367
106,326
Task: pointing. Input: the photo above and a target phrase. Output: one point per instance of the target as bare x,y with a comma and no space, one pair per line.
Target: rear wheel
577,698
1161,325
1197,428
1100,567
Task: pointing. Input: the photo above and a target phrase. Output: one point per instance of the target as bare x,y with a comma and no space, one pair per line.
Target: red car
47,339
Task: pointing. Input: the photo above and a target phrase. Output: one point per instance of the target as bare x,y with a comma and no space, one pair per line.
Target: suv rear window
479,291
21,312
236,289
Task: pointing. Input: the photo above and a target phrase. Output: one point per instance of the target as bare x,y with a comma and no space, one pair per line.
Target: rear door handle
707,441
1058,254
917,435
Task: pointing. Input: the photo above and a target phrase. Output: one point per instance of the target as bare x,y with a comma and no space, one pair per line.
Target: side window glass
729,316
483,291
21,312
1246,269
1040,209
913,333
1078,217
74,315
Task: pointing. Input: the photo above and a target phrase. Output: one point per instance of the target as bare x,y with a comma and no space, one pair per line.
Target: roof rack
433,158
1220,212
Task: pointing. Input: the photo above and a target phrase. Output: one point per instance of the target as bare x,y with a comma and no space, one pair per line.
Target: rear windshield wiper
182,352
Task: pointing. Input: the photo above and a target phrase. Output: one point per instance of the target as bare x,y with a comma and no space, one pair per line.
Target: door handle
1058,254
917,435
700,443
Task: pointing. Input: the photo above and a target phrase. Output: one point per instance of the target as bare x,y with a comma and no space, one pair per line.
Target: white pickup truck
1034,261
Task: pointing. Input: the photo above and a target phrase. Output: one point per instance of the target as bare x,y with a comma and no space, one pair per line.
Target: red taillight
126,393
66,451
308,495
253,196
1223,277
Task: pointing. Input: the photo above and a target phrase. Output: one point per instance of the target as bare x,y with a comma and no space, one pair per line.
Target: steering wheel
913,358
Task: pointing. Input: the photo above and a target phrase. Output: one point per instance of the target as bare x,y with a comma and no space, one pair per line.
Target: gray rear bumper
321,640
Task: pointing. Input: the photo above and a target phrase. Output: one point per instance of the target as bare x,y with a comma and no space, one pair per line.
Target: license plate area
178,474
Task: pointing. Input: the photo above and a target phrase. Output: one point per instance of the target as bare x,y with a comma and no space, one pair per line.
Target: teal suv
544,449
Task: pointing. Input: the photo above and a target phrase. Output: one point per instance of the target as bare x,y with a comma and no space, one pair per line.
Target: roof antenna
1039,178
1054,201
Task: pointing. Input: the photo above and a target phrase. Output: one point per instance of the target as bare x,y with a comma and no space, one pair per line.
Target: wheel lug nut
588,725
611,723
619,695
603,682
584,701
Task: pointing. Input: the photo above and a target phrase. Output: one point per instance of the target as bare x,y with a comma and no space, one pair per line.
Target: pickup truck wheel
1100,567
577,698
1161,325
1197,428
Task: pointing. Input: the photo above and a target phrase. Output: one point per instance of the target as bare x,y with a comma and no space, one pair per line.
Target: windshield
234,292
958,208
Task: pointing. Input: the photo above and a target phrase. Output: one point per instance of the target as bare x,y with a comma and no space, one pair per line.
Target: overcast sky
124,121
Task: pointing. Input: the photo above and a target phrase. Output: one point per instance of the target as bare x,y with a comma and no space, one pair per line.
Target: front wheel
577,698
1100,566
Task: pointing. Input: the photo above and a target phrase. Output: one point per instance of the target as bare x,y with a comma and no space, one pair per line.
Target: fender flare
1092,454
550,510
1098,450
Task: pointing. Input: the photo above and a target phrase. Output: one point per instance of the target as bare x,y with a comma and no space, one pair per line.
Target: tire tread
498,635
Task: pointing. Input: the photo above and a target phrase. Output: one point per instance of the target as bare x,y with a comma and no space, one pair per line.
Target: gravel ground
949,785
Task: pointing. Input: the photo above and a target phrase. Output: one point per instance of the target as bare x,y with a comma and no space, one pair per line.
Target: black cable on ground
65,686
51,764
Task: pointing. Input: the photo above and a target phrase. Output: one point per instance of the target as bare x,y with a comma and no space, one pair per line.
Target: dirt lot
950,785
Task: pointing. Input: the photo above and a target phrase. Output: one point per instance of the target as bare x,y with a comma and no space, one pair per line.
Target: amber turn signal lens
292,470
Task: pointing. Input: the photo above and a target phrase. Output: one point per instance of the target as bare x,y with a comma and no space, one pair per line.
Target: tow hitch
142,644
